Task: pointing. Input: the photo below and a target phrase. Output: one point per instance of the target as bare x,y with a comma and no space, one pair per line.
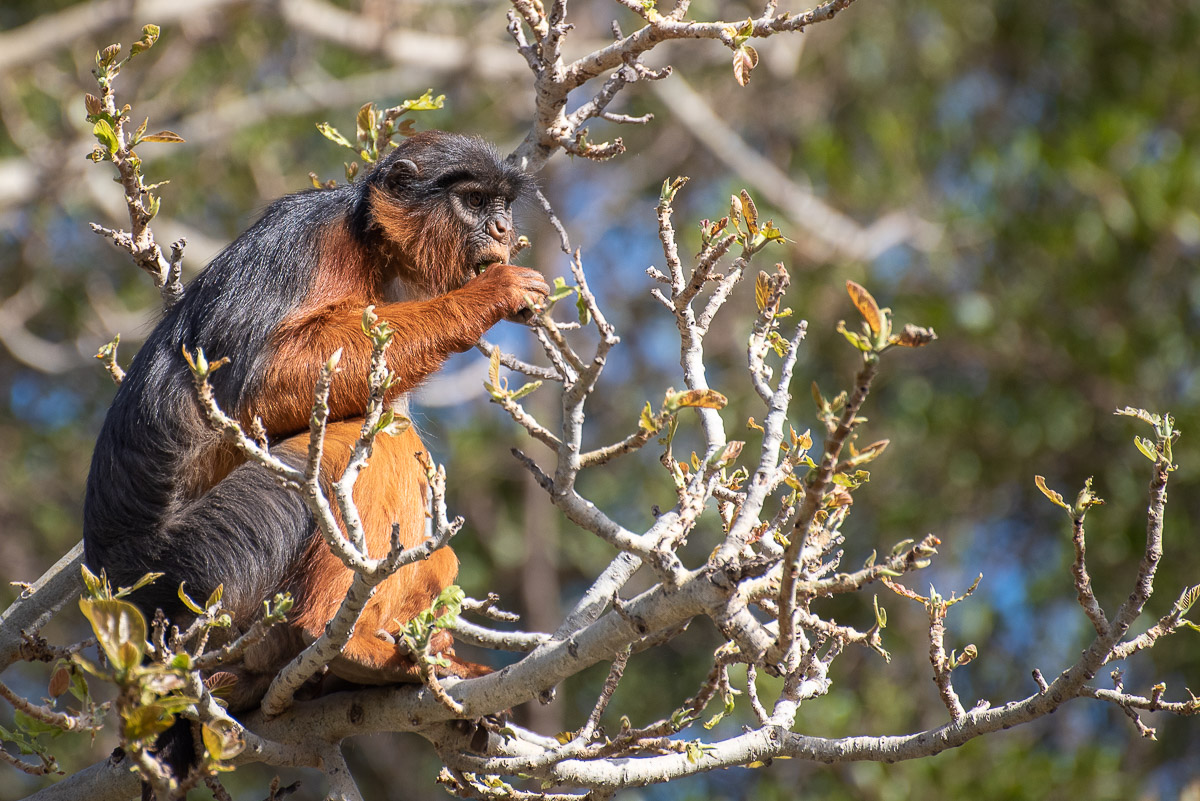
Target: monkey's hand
510,289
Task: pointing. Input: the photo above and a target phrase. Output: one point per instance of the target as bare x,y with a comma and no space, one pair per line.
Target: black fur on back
245,532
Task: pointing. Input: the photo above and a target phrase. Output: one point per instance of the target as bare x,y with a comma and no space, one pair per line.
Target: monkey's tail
176,750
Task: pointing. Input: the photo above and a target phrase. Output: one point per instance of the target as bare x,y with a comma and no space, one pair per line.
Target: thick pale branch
38,603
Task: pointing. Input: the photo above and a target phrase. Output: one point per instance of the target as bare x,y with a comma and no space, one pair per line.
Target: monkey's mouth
483,265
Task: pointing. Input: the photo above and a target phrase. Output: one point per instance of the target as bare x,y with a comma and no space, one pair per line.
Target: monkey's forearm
426,333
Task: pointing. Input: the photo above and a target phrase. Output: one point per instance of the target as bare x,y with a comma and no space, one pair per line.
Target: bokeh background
1024,177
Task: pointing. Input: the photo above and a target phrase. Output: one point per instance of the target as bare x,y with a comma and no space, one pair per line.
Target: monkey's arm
426,333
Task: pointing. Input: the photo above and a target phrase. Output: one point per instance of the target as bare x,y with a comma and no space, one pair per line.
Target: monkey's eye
475,200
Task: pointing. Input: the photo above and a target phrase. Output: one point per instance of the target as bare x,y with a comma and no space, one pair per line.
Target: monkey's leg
392,489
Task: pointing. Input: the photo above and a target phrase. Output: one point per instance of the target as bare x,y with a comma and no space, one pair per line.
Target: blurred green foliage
1055,144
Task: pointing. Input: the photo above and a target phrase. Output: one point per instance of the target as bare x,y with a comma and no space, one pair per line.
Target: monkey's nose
498,228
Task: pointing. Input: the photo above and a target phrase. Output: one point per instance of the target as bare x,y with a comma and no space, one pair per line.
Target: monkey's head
444,205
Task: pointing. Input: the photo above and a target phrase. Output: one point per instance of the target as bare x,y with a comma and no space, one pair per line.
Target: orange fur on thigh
392,489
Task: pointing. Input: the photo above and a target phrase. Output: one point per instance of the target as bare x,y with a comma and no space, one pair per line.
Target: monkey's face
445,202
487,222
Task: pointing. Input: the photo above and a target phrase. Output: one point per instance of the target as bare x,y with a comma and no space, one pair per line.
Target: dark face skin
487,215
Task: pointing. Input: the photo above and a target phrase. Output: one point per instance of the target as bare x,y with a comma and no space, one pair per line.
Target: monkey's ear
400,172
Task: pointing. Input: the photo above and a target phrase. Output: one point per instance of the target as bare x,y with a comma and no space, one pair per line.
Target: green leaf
525,390
426,102
681,718
671,188
880,614
585,314
771,233
187,600
332,134
560,291
855,339
93,584
222,740
31,725
105,134
1146,446
147,721
120,628
646,420
147,578
149,37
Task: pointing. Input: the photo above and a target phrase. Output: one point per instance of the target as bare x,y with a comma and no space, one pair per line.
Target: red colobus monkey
167,494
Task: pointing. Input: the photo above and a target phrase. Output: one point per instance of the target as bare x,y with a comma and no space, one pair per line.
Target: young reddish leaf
750,211
866,306
697,398
59,682
914,336
93,104
745,59
762,289
364,121
731,452
220,683
169,137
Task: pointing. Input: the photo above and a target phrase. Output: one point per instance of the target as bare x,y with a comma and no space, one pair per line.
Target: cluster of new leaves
374,131
116,144
161,672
